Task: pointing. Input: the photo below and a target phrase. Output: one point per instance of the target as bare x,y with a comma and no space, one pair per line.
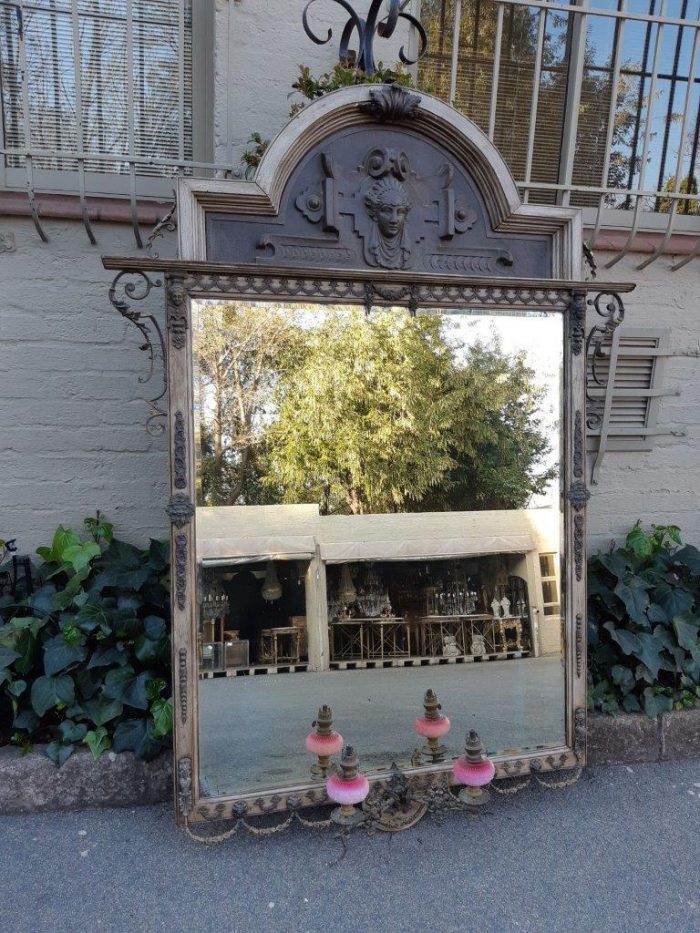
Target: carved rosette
179,452
180,510
176,297
184,785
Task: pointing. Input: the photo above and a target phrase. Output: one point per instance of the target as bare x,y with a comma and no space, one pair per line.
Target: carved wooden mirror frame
304,229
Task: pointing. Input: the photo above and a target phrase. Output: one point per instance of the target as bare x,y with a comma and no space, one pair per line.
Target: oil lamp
432,726
474,770
324,742
347,788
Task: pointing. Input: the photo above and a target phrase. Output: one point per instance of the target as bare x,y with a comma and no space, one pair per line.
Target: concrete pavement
616,853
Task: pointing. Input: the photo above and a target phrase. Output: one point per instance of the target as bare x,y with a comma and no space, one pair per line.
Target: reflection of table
511,622
280,645
370,639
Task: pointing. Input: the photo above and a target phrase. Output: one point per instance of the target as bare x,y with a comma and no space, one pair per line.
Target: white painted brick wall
72,437
663,485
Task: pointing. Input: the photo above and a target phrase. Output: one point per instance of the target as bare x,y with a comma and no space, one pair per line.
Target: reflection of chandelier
347,593
271,589
373,597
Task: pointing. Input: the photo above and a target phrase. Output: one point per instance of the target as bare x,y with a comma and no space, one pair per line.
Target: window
550,587
587,110
101,88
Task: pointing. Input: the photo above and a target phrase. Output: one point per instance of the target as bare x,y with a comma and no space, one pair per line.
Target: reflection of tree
239,350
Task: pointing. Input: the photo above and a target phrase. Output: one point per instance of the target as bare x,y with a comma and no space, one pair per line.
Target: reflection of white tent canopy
425,548
247,550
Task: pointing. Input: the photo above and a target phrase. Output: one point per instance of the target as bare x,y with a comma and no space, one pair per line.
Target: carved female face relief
387,204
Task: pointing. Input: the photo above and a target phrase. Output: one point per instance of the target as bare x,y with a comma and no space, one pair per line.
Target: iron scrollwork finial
609,306
136,286
367,28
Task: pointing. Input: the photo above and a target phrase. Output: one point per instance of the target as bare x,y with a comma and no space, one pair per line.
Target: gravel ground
616,852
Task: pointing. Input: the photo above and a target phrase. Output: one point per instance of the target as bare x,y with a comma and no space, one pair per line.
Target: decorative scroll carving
180,510
483,261
322,287
579,449
182,683
579,545
181,571
184,785
177,312
166,223
136,286
378,22
179,452
579,732
577,322
579,644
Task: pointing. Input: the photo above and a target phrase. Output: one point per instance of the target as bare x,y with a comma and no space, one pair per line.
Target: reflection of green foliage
383,416
496,441
364,422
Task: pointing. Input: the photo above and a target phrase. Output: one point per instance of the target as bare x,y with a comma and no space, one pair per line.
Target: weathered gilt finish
355,202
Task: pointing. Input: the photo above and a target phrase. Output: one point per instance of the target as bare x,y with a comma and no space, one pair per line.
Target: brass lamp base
474,796
347,815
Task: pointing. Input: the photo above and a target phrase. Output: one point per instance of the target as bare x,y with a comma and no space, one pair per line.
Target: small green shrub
644,624
310,88
85,656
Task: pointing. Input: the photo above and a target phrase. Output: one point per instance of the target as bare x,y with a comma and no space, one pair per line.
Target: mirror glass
378,514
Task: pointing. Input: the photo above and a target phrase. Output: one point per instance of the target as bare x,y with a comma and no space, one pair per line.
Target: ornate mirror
376,371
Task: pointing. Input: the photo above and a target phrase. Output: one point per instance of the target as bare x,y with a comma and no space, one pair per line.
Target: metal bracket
136,286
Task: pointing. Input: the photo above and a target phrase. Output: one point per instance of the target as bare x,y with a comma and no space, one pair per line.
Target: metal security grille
592,104
97,85
624,385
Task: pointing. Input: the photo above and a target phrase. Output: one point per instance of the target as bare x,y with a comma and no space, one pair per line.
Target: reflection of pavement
253,728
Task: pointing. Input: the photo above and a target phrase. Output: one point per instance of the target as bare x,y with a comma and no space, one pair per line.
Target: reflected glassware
272,588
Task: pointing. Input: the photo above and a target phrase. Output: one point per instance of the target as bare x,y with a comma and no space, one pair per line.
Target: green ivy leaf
674,600
655,703
650,653
162,712
59,655
137,735
687,629
59,753
615,563
628,641
633,593
48,692
26,719
98,741
72,731
104,657
154,627
125,685
640,543
689,556
631,704
100,710
7,656
17,688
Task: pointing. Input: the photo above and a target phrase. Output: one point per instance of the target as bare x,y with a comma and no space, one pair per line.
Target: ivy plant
85,649
644,624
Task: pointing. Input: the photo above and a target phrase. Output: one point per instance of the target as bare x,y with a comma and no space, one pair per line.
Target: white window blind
625,384
100,85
